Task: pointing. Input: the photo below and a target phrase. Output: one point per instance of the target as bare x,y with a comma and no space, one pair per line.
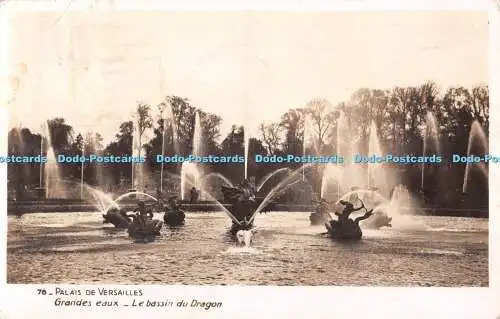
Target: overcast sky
246,67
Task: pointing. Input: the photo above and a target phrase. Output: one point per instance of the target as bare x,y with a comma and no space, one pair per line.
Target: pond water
78,248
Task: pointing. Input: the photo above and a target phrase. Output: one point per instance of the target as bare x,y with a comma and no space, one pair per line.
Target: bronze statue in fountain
140,225
174,216
244,203
345,228
118,217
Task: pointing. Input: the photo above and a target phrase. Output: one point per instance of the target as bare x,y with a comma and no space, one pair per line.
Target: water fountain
430,136
372,182
81,173
281,187
342,129
197,136
190,172
347,175
477,138
271,175
190,177
375,174
167,117
136,177
51,170
219,176
305,140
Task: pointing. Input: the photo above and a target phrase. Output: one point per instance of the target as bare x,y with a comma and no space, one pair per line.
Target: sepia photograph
334,148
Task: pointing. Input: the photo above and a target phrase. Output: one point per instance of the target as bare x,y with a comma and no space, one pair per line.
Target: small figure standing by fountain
194,195
174,216
344,227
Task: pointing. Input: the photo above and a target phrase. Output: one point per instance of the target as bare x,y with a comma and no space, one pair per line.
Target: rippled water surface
78,248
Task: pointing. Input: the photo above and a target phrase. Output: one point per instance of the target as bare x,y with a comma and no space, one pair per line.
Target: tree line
399,115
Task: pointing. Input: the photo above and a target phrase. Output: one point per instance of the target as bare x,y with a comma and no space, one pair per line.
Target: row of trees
400,117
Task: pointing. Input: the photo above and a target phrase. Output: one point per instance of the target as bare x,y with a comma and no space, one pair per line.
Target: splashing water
400,206
197,136
431,131
375,176
51,170
190,176
476,135
219,176
119,198
53,178
246,136
332,172
167,122
342,129
306,140
219,204
271,175
281,187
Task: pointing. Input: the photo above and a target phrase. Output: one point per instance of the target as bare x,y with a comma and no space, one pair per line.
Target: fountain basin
348,231
145,232
174,218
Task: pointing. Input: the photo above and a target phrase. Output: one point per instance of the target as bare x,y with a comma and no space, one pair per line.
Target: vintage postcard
162,160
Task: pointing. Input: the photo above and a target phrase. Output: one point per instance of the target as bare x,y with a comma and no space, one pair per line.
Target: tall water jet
190,174
175,141
53,188
163,154
137,173
305,139
166,119
431,134
342,130
40,184
476,135
132,164
246,145
197,136
51,170
374,148
81,173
